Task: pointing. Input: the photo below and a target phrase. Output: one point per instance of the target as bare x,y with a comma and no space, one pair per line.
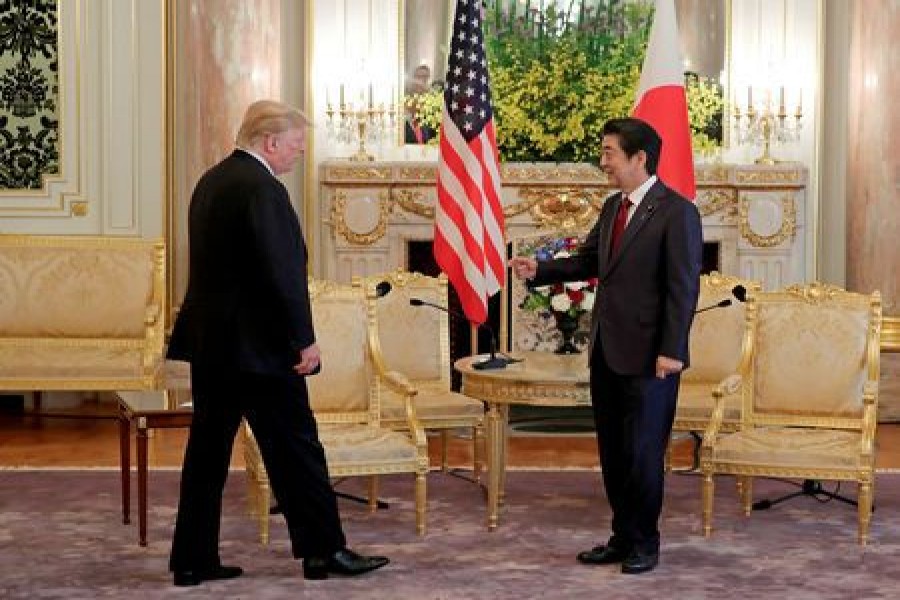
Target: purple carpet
61,536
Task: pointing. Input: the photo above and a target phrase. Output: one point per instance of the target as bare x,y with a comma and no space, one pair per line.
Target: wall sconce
758,123
360,120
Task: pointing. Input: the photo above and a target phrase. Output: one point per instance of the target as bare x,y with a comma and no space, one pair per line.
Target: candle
781,98
749,97
327,99
370,95
342,95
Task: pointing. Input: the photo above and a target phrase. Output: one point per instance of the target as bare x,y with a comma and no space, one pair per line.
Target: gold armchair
345,398
808,380
416,342
715,347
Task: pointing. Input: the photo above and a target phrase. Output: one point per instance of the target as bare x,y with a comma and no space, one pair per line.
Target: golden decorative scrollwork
787,230
793,176
566,209
338,209
713,174
79,208
535,172
817,292
412,201
417,173
357,173
711,201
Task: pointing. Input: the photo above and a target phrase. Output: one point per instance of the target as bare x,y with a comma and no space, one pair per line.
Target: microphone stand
493,361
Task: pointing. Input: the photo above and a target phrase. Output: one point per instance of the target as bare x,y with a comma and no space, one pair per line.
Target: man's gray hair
268,117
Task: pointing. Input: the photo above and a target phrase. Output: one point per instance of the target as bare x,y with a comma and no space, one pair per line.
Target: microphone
383,289
739,292
719,304
494,362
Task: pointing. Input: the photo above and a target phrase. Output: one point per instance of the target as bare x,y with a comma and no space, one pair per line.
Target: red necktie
619,225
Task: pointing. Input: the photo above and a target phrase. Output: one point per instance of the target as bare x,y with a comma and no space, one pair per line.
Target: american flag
468,226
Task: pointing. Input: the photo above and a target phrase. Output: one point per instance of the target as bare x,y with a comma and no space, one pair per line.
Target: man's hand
309,360
666,366
523,267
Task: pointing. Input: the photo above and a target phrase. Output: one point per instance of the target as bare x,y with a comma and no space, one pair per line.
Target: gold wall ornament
79,208
565,209
339,223
356,173
418,173
771,176
786,232
412,202
711,174
531,173
711,201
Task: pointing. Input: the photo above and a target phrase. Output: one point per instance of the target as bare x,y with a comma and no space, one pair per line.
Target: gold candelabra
763,125
360,121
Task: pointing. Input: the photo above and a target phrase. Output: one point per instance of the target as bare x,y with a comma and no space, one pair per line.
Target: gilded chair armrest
729,386
869,418
398,382
152,314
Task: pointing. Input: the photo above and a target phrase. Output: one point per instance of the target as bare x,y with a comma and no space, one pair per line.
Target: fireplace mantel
755,214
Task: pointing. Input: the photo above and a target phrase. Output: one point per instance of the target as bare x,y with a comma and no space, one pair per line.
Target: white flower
562,254
576,285
543,290
560,302
587,303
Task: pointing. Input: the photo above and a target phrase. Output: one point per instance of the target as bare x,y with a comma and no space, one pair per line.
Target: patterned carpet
61,536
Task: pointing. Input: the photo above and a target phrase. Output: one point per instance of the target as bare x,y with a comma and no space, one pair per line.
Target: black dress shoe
186,578
640,562
343,562
602,555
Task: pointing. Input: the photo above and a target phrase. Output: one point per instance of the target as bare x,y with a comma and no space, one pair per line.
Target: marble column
226,54
873,168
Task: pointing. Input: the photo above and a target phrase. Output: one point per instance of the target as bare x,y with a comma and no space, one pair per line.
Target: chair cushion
432,403
695,401
70,360
351,445
791,447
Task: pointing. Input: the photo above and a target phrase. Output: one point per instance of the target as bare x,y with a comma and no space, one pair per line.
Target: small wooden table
157,409
541,379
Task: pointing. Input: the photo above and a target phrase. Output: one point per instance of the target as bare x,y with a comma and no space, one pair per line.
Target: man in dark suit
645,249
246,328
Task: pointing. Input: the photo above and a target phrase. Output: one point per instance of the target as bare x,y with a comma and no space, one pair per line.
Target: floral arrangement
427,107
559,70
572,298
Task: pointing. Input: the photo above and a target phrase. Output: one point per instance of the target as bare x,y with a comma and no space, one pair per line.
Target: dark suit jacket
247,302
648,290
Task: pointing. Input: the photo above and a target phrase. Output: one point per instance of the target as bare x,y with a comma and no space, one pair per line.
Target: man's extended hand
309,360
666,366
523,267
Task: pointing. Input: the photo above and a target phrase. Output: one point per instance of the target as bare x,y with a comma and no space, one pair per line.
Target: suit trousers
633,416
277,409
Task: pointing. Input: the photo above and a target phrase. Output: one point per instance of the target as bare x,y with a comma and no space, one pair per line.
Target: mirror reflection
427,26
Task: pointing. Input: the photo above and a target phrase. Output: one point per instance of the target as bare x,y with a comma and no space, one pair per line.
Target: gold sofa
345,397
808,381
415,341
80,313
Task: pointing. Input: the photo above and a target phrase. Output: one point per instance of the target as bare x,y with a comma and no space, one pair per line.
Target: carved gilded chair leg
373,493
707,503
445,445
746,494
864,503
477,451
420,503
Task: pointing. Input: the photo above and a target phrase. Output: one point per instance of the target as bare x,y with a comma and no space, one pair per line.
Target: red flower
576,296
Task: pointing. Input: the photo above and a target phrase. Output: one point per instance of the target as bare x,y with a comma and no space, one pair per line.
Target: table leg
125,465
142,480
495,425
504,452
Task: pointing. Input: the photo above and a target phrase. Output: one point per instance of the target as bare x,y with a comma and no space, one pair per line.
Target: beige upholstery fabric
432,404
80,313
715,347
362,447
791,448
818,369
809,382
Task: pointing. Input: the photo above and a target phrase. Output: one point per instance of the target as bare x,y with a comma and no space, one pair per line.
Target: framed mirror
426,27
